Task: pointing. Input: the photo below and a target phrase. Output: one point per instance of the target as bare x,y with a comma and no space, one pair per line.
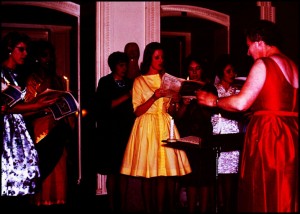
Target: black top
113,124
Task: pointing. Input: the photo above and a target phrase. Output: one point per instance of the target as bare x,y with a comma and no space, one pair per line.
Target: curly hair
198,59
266,31
221,62
10,41
116,58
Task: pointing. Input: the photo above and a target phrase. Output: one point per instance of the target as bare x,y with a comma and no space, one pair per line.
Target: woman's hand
22,108
206,98
158,93
45,102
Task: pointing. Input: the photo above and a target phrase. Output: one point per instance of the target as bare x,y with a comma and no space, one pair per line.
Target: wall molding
152,22
103,39
199,12
63,6
267,11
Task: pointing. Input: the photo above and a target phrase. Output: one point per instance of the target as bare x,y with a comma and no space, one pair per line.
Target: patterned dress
19,158
269,179
145,154
228,161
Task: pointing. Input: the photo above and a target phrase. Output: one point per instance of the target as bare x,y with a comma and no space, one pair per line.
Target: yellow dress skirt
145,154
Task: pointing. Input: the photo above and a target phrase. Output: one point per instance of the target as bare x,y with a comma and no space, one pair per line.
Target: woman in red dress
268,179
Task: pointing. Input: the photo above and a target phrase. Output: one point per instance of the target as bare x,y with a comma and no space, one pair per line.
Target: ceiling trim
64,6
193,11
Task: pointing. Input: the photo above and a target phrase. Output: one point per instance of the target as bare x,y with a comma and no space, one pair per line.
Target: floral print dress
228,162
19,158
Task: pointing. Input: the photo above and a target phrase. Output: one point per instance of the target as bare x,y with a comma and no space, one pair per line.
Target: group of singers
133,117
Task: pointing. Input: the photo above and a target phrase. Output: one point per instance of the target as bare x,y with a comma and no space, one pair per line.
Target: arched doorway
190,29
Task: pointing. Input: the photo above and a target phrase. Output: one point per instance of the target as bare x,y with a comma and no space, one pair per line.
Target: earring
9,53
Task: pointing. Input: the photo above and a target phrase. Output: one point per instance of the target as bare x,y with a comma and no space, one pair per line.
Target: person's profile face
157,60
252,49
19,53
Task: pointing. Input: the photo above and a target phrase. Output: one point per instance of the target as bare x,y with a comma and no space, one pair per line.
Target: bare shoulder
256,77
288,68
258,69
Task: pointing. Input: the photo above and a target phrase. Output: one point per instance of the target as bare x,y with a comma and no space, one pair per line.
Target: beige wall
118,23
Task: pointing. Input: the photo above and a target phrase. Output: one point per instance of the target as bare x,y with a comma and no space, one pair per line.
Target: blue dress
19,158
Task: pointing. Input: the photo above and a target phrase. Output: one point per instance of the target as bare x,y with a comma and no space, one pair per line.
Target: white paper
64,106
11,94
171,84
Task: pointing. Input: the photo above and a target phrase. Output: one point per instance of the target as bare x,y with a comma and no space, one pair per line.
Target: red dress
269,165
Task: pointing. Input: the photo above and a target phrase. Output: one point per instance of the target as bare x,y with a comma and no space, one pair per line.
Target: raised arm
22,108
247,95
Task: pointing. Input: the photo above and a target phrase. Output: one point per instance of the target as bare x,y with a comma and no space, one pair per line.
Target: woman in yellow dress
145,156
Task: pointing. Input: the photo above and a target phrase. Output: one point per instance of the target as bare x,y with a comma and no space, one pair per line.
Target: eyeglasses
22,49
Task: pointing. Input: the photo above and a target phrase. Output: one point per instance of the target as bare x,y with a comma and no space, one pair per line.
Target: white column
101,185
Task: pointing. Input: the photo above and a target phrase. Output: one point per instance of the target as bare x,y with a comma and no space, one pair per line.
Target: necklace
120,83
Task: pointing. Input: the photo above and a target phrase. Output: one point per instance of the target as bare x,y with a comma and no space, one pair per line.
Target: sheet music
11,95
171,84
64,106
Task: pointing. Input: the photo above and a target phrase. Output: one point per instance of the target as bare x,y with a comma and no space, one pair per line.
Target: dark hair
148,53
116,58
131,45
10,41
39,47
221,62
38,50
201,61
266,31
